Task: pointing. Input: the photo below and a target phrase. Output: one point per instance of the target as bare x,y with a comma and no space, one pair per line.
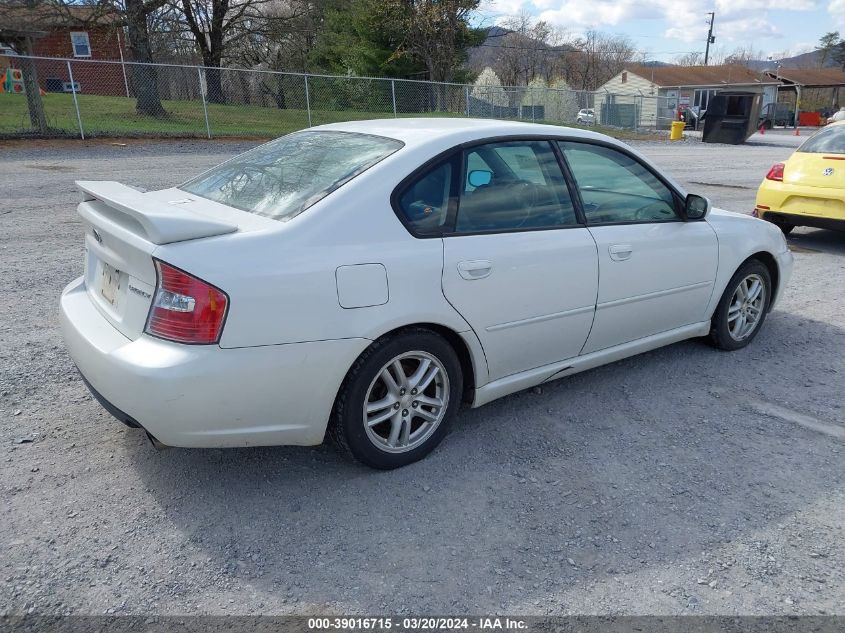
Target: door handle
620,252
475,269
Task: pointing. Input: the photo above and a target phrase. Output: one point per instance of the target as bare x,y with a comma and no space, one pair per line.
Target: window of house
702,98
81,44
624,77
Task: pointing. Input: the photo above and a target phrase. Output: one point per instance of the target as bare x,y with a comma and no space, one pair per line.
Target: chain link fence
86,98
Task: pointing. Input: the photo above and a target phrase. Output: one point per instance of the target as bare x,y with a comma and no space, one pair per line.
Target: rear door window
424,203
512,186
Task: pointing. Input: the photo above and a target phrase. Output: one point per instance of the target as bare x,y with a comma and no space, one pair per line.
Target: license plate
109,282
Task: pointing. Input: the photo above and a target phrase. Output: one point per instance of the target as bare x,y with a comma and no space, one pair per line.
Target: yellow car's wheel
785,227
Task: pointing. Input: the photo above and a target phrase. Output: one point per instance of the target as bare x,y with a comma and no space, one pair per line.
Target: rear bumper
203,395
795,219
821,207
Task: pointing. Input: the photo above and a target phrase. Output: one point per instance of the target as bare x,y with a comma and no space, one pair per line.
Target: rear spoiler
163,223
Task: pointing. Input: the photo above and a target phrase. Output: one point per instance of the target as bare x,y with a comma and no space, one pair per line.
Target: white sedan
364,279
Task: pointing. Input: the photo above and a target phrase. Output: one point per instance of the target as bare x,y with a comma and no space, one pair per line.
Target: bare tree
436,32
284,44
134,15
218,25
597,57
743,55
145,77
530,50
284,40
693,58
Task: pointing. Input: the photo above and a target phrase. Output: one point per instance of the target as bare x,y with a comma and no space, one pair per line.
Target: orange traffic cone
797,131
762,129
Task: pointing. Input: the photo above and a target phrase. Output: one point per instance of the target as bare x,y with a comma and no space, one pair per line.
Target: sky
666,29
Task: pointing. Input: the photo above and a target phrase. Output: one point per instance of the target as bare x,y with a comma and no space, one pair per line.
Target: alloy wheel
406,402
746,307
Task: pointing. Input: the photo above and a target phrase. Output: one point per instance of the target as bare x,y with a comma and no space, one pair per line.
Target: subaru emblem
828,171
97,236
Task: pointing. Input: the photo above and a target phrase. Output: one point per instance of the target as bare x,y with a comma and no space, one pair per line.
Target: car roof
424,137
454,131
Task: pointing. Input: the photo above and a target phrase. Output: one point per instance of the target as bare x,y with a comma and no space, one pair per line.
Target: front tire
397,400
743,307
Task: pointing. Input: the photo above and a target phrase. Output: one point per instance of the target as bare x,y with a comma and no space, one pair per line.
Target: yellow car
809,188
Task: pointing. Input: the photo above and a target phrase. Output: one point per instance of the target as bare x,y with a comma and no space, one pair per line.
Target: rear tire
786,228
395,404
743,307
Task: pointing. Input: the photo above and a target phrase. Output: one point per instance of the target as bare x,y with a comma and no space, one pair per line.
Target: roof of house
677,76
814,77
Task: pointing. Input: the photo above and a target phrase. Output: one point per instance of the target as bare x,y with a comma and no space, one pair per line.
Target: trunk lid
124,227
815,170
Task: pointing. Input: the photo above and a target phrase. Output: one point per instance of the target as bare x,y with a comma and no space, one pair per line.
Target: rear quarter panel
282,283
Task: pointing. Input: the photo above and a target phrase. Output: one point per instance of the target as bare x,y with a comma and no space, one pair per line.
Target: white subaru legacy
365,279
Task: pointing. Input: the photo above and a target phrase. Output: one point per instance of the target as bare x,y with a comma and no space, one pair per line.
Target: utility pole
710,38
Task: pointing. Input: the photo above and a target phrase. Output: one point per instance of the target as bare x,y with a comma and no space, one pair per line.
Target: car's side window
425,202
615,187
511,186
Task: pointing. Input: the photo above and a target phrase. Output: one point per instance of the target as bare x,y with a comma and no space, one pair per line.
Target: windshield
284,177
830,140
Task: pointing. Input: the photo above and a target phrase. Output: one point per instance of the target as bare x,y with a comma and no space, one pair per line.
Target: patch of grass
116,116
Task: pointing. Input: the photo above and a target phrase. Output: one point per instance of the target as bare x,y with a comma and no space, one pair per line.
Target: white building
653,96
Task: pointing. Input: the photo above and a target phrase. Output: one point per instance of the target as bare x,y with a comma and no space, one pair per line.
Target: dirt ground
682,481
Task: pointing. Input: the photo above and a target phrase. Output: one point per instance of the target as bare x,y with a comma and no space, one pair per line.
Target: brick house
81,33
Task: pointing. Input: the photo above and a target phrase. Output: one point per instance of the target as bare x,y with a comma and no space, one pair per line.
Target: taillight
185,309
776,172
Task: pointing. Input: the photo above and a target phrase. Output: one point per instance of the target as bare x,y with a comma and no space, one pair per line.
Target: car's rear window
282,178
830,140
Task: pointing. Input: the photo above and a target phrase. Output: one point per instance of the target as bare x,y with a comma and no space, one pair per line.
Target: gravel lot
685,480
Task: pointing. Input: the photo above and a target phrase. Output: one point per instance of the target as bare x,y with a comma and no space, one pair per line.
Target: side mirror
480,177
696,207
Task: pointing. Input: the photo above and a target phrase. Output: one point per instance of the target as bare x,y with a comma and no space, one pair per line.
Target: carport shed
816,89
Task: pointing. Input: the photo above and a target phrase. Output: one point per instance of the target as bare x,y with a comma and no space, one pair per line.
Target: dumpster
732,117
811,119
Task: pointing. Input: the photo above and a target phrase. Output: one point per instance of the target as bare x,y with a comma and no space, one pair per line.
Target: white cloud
836,9
738,28
750,29
738,22
576,13
729,7
505,7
